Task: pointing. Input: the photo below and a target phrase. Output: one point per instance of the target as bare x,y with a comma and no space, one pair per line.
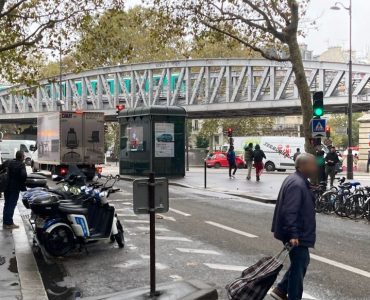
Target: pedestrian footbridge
206,88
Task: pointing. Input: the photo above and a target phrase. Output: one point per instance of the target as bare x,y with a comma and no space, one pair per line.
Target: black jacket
294,216
332,157
258,155
17,175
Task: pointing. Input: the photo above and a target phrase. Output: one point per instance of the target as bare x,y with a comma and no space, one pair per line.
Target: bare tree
269,27
27,26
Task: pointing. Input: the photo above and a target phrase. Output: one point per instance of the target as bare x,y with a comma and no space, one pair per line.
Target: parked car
165,138
219,159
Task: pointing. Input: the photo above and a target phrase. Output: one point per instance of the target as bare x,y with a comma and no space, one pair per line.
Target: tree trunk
303,90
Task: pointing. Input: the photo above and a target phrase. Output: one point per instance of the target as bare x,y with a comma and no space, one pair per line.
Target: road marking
156,229
198,251
231,229
136,221
226,267
176,277
160,266
166,218
126,215
144,256
172,238
340,265
127,203
180,212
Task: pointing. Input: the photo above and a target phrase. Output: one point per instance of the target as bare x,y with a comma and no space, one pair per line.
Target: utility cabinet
152,139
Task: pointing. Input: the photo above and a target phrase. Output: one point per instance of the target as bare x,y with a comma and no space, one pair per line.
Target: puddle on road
13,265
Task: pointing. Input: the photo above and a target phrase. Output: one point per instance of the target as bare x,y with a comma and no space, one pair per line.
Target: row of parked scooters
74,215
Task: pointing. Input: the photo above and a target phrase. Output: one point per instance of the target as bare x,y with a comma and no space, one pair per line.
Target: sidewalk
217,180
19,274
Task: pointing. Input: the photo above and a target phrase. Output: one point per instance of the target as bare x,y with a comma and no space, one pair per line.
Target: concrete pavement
19,274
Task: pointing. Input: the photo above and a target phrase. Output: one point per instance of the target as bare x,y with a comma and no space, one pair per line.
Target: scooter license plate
39,223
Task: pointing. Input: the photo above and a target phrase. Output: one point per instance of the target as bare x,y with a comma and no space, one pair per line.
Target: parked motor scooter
60,225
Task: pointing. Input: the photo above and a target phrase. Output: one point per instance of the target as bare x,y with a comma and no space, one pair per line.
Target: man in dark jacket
231,159
248,158
331,160
16,183
294,223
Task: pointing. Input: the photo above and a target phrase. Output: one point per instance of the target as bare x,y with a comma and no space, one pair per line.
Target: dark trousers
231,167
292,282
330,172
11,199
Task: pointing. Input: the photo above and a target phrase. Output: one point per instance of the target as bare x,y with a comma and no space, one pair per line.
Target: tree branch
16,5
249,45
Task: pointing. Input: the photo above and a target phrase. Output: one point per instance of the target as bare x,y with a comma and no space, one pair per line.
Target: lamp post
338,6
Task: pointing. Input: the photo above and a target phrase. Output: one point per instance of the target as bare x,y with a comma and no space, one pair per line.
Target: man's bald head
306,164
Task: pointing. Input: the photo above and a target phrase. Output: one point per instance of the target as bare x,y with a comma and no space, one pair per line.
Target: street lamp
339,6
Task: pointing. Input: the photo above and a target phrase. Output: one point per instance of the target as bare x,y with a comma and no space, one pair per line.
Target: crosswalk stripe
198,251
231,229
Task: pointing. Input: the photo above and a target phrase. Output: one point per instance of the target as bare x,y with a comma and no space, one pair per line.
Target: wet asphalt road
212,236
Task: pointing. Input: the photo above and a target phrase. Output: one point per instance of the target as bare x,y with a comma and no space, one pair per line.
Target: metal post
205,173
151,186
60,75
187,145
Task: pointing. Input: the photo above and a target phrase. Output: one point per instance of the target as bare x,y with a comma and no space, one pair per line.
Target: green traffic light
318,112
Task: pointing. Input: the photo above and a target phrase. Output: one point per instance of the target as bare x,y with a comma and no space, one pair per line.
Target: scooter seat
70,209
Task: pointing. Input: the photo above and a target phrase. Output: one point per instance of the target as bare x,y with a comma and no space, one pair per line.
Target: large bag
4,179
256,281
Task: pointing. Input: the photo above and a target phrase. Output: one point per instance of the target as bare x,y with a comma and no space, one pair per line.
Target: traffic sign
318,128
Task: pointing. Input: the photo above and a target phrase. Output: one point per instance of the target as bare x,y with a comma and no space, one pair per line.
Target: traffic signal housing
318,104
230,132
327,131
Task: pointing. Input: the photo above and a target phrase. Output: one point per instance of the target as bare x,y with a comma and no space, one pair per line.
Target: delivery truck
70,138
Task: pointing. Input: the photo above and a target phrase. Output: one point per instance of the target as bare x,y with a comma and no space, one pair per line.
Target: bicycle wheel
339,206
328,199
353,207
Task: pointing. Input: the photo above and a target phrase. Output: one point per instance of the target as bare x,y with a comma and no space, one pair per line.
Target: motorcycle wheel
120,239
59,241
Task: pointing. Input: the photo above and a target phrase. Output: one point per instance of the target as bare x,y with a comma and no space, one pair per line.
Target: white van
279,150
8,148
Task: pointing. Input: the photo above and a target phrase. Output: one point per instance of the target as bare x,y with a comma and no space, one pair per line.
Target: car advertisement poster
164,134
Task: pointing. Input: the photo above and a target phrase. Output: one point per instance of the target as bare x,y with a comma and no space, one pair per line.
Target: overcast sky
332,28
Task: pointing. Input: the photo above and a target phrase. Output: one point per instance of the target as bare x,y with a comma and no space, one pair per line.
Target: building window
217,139
196,125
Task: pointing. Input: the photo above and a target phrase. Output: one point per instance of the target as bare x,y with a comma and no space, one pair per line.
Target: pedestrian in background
16,183
258,156
296,154
231,159
331,160
320,160
368,161
248,157
294,223
355,162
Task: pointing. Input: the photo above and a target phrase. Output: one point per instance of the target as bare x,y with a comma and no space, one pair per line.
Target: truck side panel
71,138
48,139
93,137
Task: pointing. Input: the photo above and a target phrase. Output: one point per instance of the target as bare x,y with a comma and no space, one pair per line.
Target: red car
219,159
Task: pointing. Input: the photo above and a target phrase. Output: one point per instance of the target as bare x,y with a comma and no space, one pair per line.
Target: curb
32,287
237,194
